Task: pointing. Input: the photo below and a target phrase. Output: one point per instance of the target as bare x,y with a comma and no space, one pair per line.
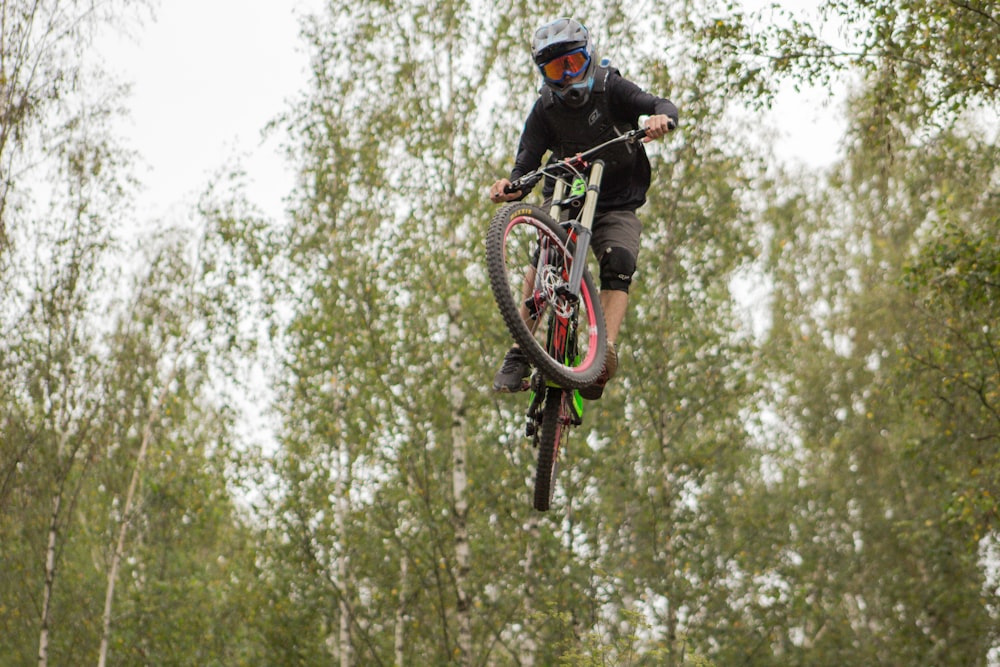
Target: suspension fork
583,226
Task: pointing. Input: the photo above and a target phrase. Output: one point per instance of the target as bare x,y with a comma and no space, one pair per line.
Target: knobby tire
554,423
507,236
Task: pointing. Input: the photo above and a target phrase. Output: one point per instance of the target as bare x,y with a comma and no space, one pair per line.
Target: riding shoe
514,374
594,391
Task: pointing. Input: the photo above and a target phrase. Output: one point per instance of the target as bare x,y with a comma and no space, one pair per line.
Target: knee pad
617,267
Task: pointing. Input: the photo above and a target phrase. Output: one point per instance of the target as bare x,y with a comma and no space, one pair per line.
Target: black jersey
614,107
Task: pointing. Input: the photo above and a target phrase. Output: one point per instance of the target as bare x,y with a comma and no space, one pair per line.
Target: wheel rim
523,234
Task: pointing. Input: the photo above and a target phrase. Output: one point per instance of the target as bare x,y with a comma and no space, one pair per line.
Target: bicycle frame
570,412
553,293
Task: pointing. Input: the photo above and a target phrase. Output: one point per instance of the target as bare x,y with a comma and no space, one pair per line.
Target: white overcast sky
208,75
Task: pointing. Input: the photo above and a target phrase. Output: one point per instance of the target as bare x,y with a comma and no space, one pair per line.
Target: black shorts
616,229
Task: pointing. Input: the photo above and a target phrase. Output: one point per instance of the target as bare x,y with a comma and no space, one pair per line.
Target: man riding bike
582,103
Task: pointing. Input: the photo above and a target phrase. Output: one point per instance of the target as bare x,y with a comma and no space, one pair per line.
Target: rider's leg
526,291
614,303
616,243
515,371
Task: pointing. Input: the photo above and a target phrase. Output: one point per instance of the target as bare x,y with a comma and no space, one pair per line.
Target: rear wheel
523,241
555,421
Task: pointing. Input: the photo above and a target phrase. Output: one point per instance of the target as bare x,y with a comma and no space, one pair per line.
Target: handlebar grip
521,184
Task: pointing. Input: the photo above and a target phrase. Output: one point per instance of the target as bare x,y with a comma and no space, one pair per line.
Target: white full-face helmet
564,53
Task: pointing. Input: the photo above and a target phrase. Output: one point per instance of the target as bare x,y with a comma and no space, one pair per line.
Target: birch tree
386,252
50,352
191,318
53,258
385,185
68,416
42,77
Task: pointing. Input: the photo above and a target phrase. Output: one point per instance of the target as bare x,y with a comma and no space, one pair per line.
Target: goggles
566,66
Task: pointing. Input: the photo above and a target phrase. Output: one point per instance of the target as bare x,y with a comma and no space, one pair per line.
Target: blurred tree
882,424
394,338
43,79
96,377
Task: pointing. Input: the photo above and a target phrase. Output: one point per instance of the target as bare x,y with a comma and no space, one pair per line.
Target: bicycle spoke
529,259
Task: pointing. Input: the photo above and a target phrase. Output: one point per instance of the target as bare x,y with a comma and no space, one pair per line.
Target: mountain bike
537,264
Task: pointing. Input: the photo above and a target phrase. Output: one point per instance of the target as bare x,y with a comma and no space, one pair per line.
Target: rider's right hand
498,194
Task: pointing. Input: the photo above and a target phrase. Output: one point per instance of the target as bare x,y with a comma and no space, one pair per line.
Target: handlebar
572,164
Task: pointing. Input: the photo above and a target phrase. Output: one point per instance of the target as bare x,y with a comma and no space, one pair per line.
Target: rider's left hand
498,194
658,126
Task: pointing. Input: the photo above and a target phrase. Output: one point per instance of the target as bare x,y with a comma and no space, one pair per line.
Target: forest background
811,483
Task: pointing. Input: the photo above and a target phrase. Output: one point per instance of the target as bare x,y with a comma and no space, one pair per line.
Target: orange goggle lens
566,66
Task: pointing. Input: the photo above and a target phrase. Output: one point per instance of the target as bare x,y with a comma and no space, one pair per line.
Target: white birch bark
341,510
50,578
400,635
529,648
50,557
459,483
116,557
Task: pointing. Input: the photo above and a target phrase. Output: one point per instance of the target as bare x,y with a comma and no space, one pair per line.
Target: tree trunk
50,578
400,636
116,557
343,558
459,484
676,644
528,647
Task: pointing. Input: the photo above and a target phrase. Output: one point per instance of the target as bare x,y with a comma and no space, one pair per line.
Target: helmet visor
565,66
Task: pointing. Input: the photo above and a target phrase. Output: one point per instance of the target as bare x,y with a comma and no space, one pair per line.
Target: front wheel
528,256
